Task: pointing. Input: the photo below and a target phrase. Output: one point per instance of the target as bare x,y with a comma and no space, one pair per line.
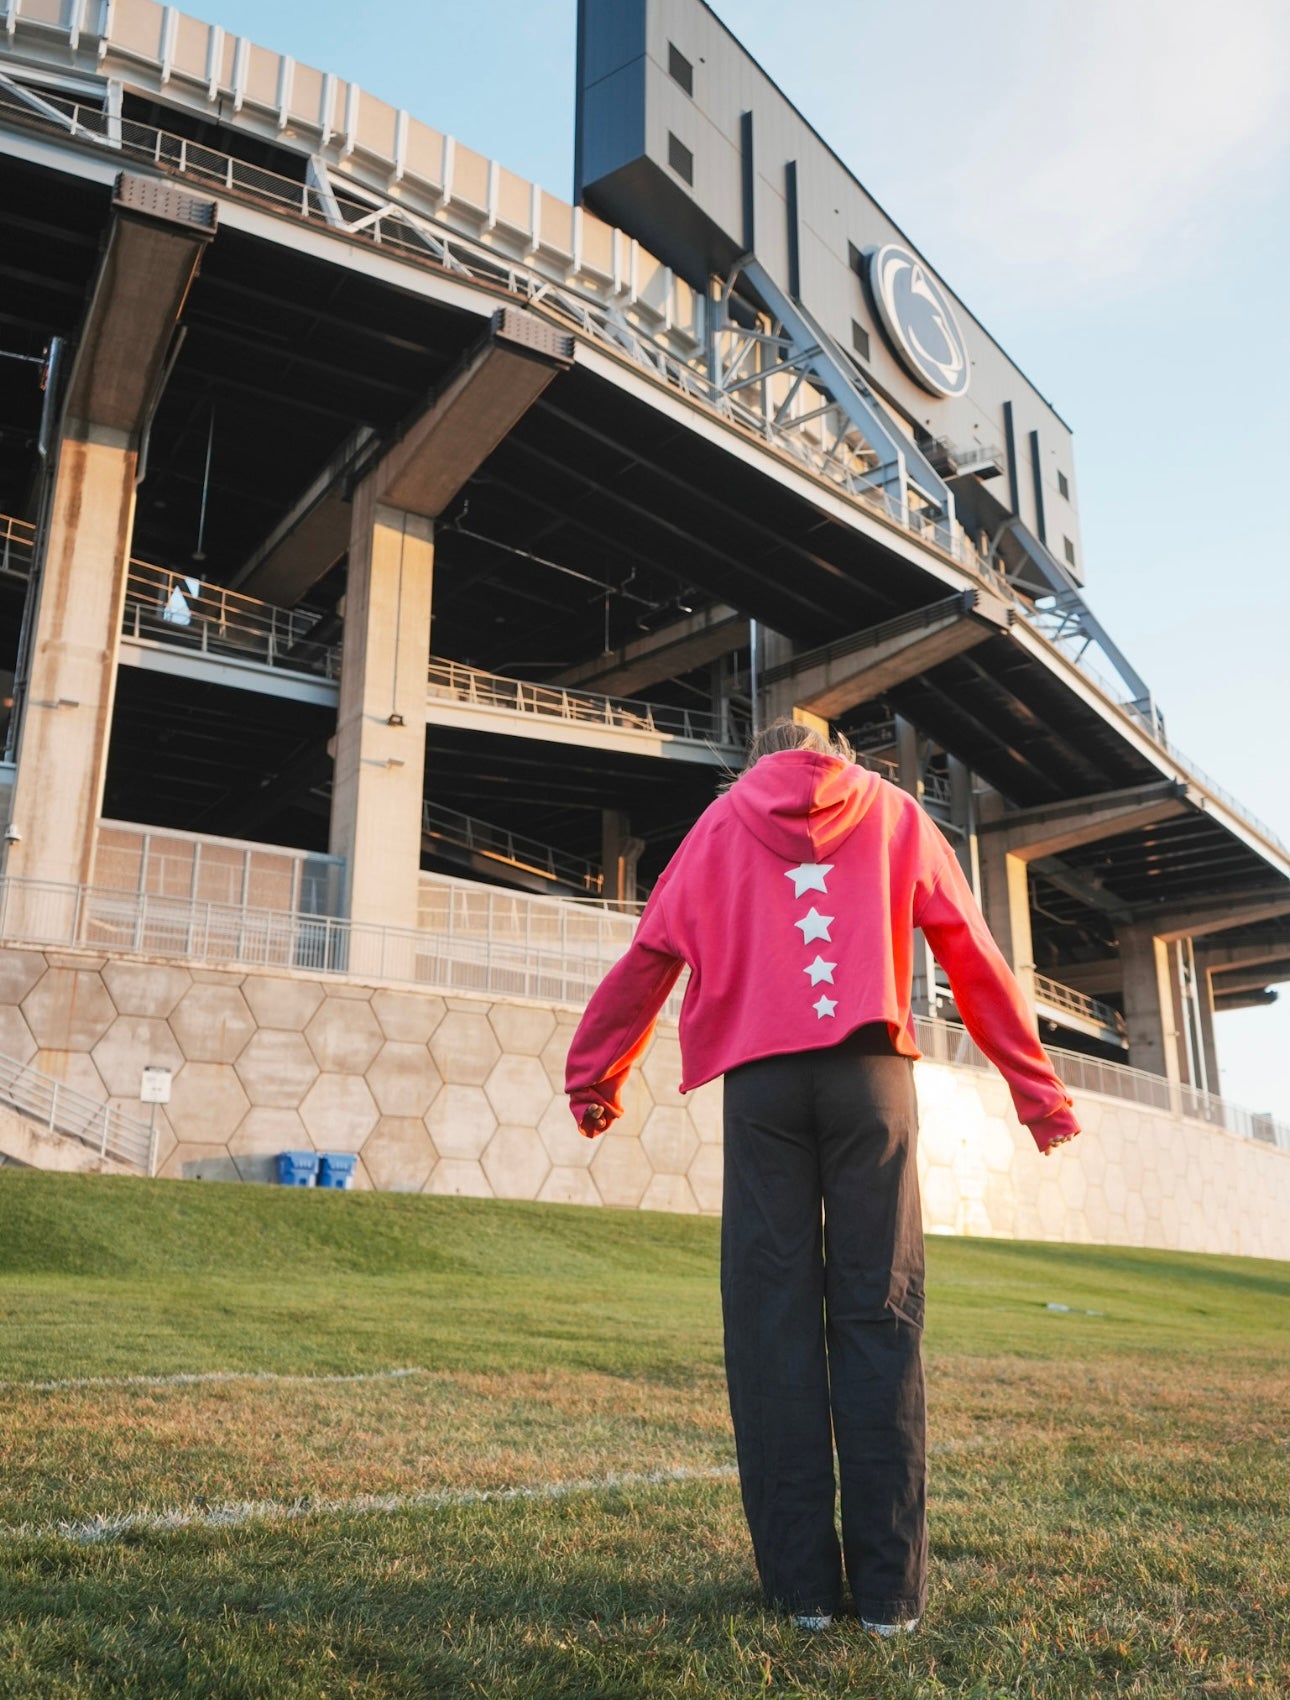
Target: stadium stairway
46,1124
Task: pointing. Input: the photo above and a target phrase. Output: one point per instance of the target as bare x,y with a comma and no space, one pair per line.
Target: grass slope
1109,1491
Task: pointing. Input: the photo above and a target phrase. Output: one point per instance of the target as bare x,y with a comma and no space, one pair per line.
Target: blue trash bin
297,1168
335,1168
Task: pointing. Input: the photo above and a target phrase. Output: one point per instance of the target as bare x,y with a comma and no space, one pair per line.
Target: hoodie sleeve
618,1021
991,1003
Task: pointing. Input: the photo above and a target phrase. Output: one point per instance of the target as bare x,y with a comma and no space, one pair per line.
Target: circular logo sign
919,320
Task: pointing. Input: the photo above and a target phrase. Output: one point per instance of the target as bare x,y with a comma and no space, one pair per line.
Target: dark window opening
680,69
1070,550
855,259
1063,484
680,158
860,340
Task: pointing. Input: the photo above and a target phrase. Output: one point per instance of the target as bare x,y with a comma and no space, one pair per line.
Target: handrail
900,625
64,1109
426,239
947,1042
221,616
177,608
454,680
1066,998
512,848
451,960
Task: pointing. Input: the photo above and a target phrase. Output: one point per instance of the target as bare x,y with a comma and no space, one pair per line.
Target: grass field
1109,1491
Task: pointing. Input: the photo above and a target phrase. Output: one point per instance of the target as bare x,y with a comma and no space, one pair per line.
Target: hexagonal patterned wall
464,1095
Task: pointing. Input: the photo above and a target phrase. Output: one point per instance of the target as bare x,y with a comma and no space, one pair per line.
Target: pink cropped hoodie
793,900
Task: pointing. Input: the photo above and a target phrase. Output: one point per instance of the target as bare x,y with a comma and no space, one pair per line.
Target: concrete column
778,698
1209,1045
1149,1002
909,757
1005,897
380,744
58,791
910,750
153,247
963,815
620,854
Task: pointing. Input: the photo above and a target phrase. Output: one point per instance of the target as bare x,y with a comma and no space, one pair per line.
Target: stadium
394,558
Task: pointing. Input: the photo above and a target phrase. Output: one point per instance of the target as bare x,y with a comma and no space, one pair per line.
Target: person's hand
1055,1144
595,1119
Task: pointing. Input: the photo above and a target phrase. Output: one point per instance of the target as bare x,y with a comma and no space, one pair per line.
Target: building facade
396,555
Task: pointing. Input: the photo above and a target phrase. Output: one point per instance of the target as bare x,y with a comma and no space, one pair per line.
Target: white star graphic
820,970
814,926
825,1006
808,876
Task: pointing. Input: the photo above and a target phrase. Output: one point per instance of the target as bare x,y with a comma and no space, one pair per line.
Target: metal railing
511,848
176,608
478,958
947,1042
1067,999
62,1109
461,958
17,539
454,681
425,239
428,238
609,315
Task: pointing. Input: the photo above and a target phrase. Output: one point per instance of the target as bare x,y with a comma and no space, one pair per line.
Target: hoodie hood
802,805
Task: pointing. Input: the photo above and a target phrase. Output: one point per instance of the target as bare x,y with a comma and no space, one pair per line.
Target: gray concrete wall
464,1095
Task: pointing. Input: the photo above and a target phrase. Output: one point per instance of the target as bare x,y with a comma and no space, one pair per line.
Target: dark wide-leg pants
822,1296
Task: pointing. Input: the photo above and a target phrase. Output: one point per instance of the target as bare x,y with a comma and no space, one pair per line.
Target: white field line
232,1516
195,1380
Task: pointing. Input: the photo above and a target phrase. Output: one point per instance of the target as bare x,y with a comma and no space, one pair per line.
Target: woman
794,901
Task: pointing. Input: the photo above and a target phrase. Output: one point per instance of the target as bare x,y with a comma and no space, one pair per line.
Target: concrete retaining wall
463,1095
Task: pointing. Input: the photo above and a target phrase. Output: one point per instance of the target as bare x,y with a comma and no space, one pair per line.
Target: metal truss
789,385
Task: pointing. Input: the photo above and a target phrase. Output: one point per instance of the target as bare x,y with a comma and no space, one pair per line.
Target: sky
1107,188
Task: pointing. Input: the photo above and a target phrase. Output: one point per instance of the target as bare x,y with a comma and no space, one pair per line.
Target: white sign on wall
154,1087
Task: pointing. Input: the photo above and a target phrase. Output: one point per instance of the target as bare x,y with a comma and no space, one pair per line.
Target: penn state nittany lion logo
919,320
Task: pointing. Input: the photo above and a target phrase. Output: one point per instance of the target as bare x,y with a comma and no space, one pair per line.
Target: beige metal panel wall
835,213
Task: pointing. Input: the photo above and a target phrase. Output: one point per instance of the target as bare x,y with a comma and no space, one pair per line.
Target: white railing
62,1109
947,1042
1071,1002
607,302
512,849
477,958
454,681
465,957
176,608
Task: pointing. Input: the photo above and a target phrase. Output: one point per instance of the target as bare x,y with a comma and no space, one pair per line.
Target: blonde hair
788,734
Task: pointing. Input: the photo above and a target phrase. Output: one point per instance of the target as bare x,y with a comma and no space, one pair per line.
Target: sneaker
811,1620
906,1628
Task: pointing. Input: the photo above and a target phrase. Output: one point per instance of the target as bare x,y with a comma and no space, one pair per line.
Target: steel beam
474,410
664,654
1094,979
1056,827
154,248
64,701
830,680
422,470
1219,916
817,353
1251,979
1243,1000
1217,958
311,537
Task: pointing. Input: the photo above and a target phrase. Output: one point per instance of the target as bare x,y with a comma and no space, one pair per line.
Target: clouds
1070,144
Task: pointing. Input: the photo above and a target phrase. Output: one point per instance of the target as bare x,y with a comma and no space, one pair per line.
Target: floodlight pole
754,686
